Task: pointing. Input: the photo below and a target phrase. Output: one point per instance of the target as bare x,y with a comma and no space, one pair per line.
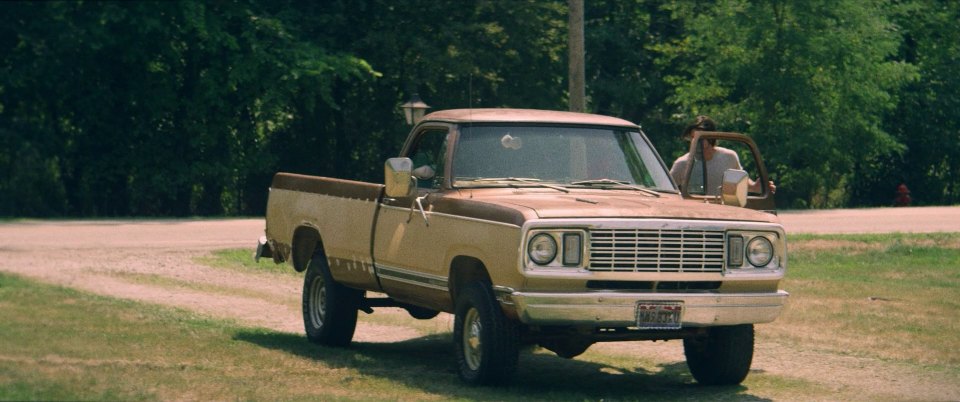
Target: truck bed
340,211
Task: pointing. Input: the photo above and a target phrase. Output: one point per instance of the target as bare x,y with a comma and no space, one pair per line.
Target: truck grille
656,250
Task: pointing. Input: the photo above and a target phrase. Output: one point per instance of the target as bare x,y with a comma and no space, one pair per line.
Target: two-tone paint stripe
401,275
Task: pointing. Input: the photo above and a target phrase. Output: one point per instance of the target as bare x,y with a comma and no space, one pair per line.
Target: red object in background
903,196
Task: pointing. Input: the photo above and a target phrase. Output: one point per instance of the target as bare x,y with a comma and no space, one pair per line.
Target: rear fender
306,240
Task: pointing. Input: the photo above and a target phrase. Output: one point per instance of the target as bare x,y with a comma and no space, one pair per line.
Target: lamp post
414,109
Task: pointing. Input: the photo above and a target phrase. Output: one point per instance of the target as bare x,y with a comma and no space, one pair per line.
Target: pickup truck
535,227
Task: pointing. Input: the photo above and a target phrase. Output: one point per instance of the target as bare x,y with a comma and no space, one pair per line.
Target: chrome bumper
614,309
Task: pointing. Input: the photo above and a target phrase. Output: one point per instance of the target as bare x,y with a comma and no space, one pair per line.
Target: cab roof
504,115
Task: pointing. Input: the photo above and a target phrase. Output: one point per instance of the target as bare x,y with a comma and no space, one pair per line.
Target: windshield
568,156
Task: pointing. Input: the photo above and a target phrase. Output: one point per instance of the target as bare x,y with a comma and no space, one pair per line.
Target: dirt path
140,259
105,257
873,220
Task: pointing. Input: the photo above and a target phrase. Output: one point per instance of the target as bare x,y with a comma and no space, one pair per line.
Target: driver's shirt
722,160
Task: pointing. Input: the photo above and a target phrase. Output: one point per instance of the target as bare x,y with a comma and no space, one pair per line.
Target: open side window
421,169
699,173
429,154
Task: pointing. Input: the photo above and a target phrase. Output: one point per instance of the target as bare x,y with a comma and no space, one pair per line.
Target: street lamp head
414,109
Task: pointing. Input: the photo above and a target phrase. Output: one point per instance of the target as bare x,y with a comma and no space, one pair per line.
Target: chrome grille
656,250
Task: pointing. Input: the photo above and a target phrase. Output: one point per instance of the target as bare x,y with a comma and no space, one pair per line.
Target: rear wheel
487,343
722,357
329,308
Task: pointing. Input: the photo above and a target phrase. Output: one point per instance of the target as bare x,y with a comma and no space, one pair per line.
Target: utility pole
578,102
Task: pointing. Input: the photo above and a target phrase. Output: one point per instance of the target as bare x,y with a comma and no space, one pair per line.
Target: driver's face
708,147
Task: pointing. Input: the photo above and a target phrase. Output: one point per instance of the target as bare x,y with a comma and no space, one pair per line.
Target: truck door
721,151
407,258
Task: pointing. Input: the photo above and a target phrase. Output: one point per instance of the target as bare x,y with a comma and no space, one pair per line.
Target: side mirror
734,188
398,177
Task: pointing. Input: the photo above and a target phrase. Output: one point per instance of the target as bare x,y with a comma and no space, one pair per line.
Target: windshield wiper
526,180
616,183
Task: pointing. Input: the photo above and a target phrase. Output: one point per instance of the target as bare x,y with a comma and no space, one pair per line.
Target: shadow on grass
428,363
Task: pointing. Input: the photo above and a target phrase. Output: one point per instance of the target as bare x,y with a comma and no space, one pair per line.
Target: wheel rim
472,345
318,302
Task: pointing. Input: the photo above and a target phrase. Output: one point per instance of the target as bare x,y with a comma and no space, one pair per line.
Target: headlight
759,251
542,249
752,252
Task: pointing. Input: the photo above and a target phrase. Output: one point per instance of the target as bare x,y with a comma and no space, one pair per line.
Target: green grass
58,343
242,259
61,344
893,296
890,296
180,284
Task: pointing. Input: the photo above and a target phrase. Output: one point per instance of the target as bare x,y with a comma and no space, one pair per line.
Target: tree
455,55
150,108
182,108
926,121
629,59
810,80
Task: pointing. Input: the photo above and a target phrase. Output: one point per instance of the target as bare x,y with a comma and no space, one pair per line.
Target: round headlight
542,249
759,251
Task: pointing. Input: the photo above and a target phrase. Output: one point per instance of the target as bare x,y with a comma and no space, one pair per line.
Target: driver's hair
701,123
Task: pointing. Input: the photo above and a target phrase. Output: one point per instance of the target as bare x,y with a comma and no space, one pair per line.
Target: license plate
659,315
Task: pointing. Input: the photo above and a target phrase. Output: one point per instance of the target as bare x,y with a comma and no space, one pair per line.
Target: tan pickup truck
538,227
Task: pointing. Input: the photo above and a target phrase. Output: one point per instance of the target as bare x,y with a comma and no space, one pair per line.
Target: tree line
188,108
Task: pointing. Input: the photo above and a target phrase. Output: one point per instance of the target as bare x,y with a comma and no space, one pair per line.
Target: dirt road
873,220
139,259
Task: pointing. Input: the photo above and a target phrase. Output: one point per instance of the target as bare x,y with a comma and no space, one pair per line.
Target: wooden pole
578,102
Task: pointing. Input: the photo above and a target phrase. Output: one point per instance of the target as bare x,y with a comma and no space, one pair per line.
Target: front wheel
329,308
487,343
722,357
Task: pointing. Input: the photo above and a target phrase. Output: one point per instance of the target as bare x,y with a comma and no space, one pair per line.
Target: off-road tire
487,343
329,308
722,357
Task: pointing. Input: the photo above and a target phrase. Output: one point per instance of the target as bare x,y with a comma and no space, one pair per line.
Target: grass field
887,296
891,297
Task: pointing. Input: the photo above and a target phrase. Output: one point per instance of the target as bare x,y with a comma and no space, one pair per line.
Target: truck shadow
428,363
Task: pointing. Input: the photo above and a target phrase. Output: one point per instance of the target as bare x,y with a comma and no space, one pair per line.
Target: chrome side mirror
398,177
734,188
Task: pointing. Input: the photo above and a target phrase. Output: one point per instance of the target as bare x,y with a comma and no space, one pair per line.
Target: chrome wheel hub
472,345
318,302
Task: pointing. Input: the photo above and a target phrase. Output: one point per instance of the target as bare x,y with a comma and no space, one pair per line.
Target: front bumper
618,309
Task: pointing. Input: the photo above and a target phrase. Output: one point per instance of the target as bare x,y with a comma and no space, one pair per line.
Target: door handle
419,203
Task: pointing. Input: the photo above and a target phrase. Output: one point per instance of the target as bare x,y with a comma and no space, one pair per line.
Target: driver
718,160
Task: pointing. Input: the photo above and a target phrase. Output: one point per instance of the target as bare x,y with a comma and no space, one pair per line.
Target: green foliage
455,54
185,108
809,80
628,60
926,121
150,108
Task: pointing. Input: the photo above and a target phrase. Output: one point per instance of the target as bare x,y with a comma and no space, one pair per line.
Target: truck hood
615,204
